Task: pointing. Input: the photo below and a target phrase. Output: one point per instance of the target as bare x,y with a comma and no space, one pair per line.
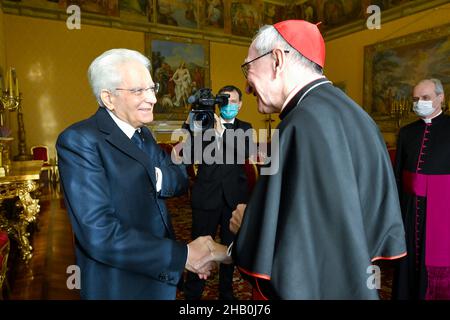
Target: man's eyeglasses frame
245,66
140,91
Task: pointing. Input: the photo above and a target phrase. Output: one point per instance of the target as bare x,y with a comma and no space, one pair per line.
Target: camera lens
203,120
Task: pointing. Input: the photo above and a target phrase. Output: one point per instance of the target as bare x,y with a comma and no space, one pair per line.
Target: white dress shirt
129,130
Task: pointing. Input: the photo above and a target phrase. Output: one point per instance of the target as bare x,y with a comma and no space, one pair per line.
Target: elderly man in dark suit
115,179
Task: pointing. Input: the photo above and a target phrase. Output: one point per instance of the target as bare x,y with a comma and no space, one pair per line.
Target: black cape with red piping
313,229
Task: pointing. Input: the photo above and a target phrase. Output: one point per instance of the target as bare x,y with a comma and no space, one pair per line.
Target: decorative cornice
15,8
116,22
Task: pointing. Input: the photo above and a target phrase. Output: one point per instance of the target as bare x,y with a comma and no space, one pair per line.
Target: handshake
204,253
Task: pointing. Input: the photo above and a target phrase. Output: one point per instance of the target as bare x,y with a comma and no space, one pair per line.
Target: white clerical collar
127,128
429,120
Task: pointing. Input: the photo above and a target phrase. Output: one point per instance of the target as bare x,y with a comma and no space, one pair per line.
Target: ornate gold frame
166,121
398,54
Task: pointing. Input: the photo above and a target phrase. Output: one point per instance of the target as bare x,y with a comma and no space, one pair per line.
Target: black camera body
204,103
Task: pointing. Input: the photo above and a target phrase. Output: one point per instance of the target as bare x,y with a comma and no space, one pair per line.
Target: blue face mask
229,111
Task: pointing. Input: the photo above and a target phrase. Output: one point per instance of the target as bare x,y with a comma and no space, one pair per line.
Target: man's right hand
198,260
218,254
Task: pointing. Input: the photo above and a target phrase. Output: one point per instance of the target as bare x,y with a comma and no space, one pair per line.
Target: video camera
203,104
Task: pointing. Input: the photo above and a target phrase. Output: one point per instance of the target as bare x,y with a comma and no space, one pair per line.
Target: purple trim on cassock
436,188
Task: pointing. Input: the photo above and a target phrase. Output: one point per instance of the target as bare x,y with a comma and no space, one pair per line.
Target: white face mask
423,108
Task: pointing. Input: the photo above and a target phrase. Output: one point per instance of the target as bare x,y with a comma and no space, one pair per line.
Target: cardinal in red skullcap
326,206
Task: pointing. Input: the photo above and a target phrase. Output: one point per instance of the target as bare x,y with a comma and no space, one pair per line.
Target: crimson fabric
3,242
40,153
304,37
252,175
392,152
3,239
256,295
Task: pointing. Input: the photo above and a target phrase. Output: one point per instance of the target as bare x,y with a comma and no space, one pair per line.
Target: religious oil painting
213,17
392,68
180,13
41,4
246,17
181,67
272,13
104,7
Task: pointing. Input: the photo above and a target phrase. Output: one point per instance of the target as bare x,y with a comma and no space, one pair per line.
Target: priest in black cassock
329,207
423,176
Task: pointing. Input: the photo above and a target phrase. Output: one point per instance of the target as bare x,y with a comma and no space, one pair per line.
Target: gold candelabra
22,145
400,109
11,100
10,96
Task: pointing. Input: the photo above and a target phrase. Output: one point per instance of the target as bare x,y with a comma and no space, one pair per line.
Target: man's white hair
268,38
104,73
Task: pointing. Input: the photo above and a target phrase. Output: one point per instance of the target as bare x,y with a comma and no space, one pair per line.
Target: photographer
218,189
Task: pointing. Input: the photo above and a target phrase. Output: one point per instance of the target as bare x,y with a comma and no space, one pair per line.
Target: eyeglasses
246,66
140,91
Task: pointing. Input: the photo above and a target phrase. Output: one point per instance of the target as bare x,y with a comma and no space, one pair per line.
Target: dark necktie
228,126
138,139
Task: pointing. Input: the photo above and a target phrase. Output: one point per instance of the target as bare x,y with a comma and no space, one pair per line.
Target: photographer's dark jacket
216,180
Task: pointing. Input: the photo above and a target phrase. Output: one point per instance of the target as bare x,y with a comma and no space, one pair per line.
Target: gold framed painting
108,8
392,68
213,15
246,17
178,13
181,67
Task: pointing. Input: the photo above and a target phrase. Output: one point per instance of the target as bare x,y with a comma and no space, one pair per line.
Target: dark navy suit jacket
124,239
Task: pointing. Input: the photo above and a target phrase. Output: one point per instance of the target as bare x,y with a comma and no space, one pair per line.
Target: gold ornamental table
21,179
